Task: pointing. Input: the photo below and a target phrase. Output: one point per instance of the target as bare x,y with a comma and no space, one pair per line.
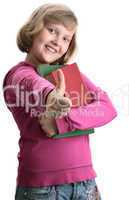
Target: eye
66,39
51,30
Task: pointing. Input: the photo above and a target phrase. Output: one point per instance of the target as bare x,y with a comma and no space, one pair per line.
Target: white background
103,55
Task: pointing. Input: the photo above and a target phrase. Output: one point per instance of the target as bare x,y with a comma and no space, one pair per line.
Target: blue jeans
84,190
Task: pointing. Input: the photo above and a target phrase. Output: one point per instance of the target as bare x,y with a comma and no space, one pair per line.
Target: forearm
96,114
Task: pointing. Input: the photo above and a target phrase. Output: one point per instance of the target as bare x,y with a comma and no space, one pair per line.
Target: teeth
51,49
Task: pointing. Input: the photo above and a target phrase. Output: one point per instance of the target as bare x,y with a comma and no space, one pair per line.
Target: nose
56,41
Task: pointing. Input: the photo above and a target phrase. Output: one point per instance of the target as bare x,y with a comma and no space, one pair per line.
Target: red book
75,88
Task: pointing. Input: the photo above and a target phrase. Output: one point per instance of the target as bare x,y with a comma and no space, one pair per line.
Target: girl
52,168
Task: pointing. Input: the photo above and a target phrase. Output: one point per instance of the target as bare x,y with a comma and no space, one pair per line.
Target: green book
74,133
45,70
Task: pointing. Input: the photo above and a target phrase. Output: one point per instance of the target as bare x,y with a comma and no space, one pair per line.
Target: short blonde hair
48,13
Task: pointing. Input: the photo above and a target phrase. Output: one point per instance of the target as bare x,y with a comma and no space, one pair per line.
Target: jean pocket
37,193
91,190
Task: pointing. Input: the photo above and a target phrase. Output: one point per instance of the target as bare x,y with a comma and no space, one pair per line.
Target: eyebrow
69,36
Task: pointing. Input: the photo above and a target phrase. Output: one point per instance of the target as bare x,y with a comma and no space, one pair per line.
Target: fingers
60,87
64,102
63,113
59,103
48,131
52,113
48,125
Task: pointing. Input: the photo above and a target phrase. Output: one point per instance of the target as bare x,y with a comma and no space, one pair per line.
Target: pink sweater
44,161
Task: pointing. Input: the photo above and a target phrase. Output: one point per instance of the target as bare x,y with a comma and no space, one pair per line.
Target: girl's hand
57,105
48,125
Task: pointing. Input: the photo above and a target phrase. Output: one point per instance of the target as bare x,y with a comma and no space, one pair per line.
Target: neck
32,60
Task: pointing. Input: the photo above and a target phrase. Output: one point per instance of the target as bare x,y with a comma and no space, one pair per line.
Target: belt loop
74,186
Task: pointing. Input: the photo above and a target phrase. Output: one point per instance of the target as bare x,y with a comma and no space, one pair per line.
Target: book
75,89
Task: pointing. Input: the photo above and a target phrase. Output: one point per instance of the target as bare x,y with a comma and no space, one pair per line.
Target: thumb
60,85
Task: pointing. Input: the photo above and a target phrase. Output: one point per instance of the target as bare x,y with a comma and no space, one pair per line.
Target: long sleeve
98,113
29,89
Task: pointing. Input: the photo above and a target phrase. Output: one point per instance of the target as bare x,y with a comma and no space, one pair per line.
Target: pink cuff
62,125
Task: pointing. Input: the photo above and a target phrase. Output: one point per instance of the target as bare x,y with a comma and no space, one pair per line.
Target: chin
49,61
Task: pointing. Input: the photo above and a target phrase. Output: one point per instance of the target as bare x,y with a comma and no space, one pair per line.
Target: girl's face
51,43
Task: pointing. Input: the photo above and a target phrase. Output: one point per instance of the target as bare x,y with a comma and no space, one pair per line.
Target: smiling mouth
50,49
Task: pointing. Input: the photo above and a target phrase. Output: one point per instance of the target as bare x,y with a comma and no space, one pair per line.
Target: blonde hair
48,13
